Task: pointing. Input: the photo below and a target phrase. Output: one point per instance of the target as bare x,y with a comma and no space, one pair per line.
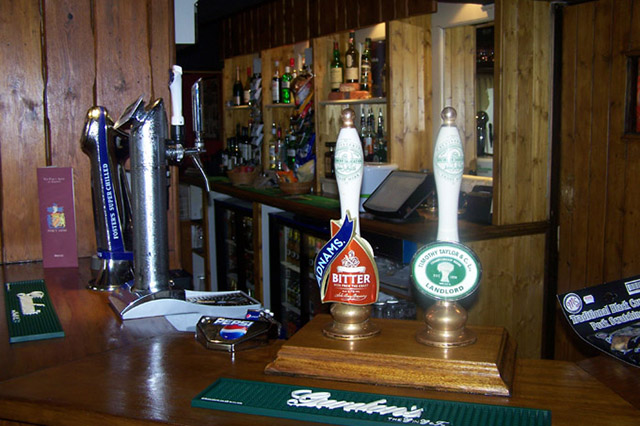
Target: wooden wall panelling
314,18
621,34
293,21
163,55
327,13
521,148
122,57
595,132
368,13
69,94
419,7
460,86
275,16
633,42
342,16
541,81
563,334
299,17
350,9
409,120
263,29
599,232
22,138
131,44
631,241
511,290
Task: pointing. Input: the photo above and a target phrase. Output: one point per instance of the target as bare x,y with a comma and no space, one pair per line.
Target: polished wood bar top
422,231
105,371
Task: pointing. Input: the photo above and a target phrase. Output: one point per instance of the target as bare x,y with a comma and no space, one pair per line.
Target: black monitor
399,194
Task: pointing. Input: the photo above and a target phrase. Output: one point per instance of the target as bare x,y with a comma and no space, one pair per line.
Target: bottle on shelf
363,124
285,86
329,170
273,144
365,66
367,137
380,151
294,72
291,147
247,88
275,85
237,89
280,150
351,60
336,69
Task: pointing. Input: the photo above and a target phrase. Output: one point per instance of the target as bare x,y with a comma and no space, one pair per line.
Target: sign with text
607,316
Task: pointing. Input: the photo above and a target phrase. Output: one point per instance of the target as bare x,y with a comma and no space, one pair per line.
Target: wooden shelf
374,101
280,106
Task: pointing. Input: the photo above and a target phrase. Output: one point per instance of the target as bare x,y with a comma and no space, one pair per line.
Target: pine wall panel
59,58
281,22
599,236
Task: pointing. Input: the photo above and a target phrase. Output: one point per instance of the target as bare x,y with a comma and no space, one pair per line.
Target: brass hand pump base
350,322
445,326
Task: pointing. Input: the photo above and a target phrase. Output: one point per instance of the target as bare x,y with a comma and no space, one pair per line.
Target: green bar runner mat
30,313
339,407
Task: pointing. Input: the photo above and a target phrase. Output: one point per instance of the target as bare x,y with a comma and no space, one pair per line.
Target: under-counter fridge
295,295
234,245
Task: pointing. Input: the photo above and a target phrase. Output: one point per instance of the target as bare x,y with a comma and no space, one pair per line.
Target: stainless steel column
149,198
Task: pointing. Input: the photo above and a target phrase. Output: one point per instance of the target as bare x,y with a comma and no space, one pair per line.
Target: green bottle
285,86
335,69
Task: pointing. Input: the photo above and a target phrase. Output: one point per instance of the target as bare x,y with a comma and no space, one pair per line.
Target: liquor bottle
280,150
367,139
336,70
275,85
351,61
285,86
380,150
291,147
247,88
237,89
273,143
365,67
294,72
363,125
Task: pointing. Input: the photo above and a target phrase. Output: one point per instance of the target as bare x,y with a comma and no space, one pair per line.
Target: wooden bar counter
105,371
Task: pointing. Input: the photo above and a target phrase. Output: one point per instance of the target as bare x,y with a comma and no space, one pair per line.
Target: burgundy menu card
57,217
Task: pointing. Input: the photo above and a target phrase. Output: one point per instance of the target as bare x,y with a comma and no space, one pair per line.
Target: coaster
331,406
30,313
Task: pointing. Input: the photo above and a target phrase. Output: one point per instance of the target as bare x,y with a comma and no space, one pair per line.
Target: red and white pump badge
345,268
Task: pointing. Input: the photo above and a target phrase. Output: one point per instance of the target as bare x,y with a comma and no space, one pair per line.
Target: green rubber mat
338,407
309,199
30,313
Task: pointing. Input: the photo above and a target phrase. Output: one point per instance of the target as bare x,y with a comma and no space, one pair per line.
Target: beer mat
30,313
331,406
